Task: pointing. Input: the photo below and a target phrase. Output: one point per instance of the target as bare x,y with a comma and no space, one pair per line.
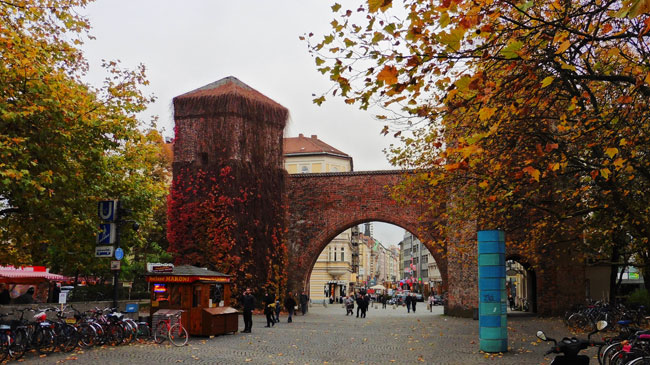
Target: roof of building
228,85
228,95
301,145
188,270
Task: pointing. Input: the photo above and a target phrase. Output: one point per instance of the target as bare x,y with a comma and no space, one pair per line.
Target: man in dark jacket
366,304
269,309
408,300
360,303
249,304
304,302
290,305
414,301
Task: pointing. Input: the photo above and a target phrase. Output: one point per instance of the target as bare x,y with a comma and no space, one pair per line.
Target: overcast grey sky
188,44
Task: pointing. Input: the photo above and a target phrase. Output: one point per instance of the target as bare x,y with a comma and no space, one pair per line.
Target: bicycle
176,333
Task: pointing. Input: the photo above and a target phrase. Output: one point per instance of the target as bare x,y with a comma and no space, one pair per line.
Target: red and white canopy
28,274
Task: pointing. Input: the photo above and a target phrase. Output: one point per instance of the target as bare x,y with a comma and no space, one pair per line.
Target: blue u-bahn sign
107,234
107,210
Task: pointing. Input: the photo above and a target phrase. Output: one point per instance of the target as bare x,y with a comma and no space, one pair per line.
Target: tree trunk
613,288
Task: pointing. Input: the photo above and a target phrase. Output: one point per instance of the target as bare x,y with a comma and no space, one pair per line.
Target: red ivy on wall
230,219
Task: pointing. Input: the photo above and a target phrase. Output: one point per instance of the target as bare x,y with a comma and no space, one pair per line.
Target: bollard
493,330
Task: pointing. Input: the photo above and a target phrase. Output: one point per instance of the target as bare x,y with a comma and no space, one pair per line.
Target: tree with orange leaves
537,109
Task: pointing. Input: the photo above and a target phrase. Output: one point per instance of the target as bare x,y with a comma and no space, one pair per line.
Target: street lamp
119,222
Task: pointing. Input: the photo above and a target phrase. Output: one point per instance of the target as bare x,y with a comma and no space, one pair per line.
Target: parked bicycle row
631,345
74,329
586,316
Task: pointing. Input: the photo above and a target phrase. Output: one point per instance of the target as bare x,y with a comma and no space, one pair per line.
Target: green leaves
512,49
65,145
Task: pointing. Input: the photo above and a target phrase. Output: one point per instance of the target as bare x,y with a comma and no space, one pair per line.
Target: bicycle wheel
578,321
44,341
161,332
18,344
178,335
87,335
144,332
645,360
609,351
5,341
70,337
133,327
128,333
115,334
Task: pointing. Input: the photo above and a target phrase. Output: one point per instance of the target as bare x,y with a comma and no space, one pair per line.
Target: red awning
12,275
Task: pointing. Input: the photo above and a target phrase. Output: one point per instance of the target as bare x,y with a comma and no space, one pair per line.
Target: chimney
313,136
300,135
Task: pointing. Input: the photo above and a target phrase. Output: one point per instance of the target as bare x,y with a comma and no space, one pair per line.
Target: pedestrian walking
269,309
366,304
431,301
290,305
414,301
407,301
349,305
384,299
359,304
248,302
278,308
304,302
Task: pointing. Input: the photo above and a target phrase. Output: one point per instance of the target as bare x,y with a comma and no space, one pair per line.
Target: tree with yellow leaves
65,145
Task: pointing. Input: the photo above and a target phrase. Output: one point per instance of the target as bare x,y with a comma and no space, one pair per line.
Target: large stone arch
321,241
323,205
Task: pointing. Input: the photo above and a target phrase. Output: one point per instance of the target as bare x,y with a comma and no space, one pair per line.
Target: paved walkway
327,336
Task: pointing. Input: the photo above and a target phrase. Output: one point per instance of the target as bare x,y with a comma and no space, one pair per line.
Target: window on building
415,248
415,260
425,259
342,253
424,274
334,253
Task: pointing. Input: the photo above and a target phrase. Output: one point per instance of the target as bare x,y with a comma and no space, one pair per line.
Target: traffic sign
63,297
107,234
103,251
107,210
115,265
119,253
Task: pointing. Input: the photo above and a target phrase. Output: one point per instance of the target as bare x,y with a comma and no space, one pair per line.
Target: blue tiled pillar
493,329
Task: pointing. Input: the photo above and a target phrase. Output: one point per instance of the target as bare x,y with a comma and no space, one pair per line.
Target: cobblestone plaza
328,336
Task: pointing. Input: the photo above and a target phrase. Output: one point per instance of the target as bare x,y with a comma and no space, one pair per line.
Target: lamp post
122,212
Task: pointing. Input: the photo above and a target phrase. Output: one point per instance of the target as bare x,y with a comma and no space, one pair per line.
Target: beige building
335,271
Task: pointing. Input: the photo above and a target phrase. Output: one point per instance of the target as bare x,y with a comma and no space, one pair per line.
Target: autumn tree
538,109
65,145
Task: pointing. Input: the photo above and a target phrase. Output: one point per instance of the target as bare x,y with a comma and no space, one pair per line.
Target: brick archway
323,205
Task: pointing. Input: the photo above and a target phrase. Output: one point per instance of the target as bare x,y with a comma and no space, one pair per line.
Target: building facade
419,270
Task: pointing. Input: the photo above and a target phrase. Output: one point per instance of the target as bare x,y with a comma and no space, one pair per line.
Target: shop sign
186,279
159,268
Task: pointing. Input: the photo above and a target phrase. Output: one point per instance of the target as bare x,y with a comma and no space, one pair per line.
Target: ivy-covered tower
226,208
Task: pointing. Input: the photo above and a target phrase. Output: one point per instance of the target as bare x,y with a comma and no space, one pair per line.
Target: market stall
34,281
203,295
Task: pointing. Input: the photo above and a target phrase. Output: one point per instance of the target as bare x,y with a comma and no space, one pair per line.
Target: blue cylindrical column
492,322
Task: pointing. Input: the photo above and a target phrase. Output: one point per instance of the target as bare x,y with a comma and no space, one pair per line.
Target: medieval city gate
229,136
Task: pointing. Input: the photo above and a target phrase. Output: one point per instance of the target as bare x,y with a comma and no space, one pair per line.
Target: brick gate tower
226,209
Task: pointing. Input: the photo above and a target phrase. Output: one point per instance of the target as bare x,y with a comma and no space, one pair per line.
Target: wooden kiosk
203,295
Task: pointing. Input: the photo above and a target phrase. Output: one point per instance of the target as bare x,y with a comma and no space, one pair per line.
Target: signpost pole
116,273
